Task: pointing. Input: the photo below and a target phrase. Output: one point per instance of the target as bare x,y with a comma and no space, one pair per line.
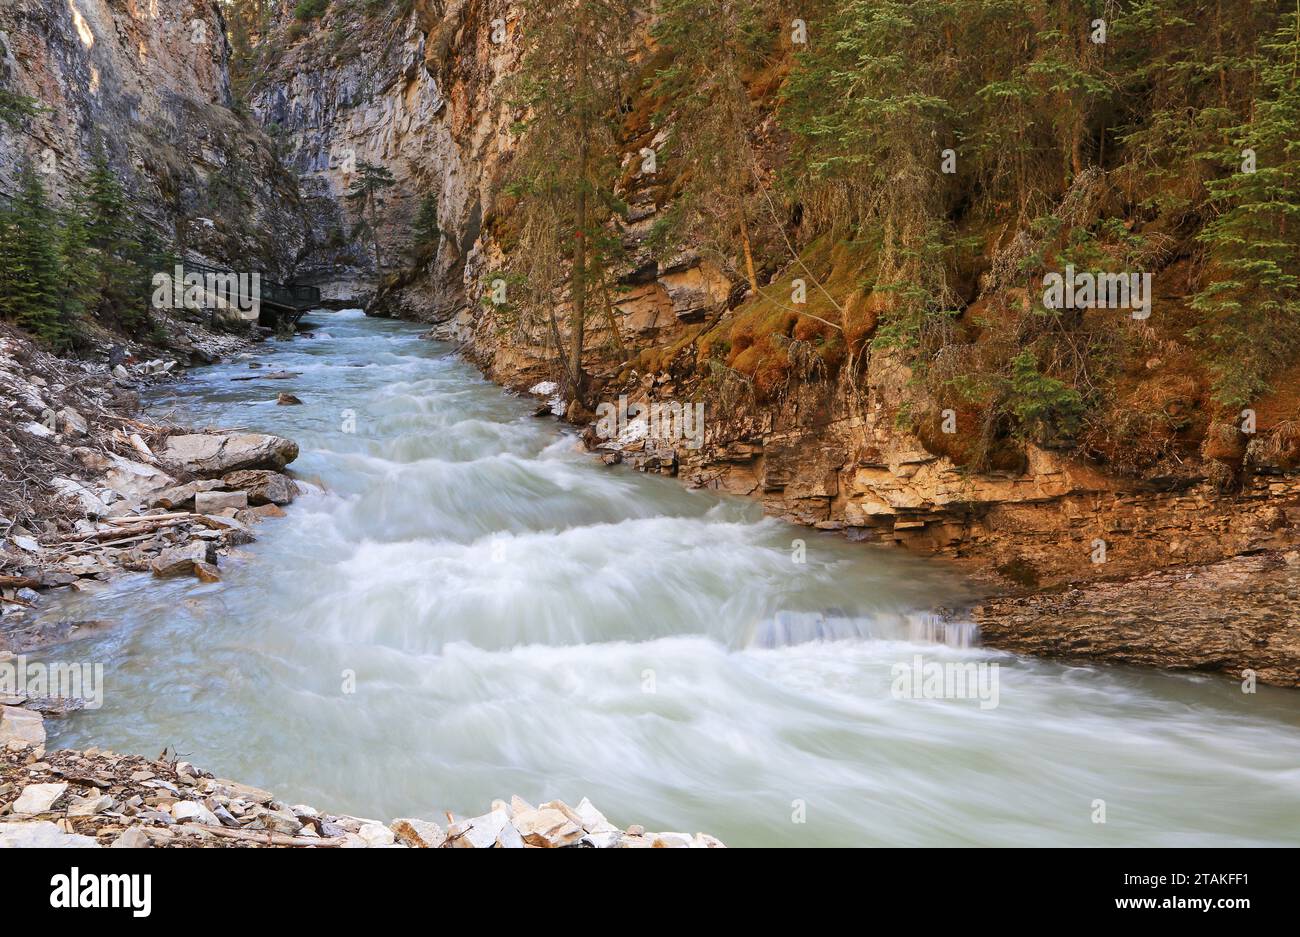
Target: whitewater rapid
463,605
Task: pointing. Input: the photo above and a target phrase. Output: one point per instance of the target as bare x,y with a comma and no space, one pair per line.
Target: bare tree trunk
578,291
374,235
749,252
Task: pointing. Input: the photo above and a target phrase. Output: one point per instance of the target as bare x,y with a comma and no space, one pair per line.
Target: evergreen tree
1249,306
572,82
366,198
114,238
713,48
30,268
78,281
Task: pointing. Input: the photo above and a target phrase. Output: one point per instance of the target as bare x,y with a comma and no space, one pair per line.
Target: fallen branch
265,836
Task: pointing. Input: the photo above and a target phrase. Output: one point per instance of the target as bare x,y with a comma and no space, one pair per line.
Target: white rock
132,838
21,728
193,811
592,820
90,503
90,806
41,834
548,827
376,835
38,429
135,480
509,838
670,840
38,798
74,424
478,832
419,834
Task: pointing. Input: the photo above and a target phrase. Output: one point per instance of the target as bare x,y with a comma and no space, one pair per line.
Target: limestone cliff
149,82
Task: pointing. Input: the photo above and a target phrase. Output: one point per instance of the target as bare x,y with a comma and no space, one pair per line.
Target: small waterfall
786,629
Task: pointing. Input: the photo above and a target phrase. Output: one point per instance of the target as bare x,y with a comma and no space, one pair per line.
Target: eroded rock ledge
1241,614
96,798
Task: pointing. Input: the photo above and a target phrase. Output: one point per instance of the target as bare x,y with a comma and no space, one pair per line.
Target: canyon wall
148,81
414,94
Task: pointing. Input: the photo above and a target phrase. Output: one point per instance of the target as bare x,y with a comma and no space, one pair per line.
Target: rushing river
517,618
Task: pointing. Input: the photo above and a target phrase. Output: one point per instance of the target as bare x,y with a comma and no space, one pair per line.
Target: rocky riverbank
89,489
92,799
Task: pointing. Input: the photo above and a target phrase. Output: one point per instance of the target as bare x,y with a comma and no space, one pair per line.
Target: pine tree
30,268
1249,306
114,239
365,196
426,236
79,280
713,48
572,80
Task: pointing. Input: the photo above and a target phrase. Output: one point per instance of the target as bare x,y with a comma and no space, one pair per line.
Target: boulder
193,812
547,827
132,838
287,400
214,502
73,423
236,533
207,572
42,834
376,835
136,481
213,455
260,513
181,495
262,487
90,806
90,502
21,727
478,832
180,561
38,798
419,834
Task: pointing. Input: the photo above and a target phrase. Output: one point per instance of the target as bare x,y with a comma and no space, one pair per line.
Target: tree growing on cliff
1248,307
366,198
714,49
426,235
117,263
572,83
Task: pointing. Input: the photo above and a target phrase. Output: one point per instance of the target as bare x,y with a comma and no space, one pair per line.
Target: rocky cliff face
149,82
414,94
